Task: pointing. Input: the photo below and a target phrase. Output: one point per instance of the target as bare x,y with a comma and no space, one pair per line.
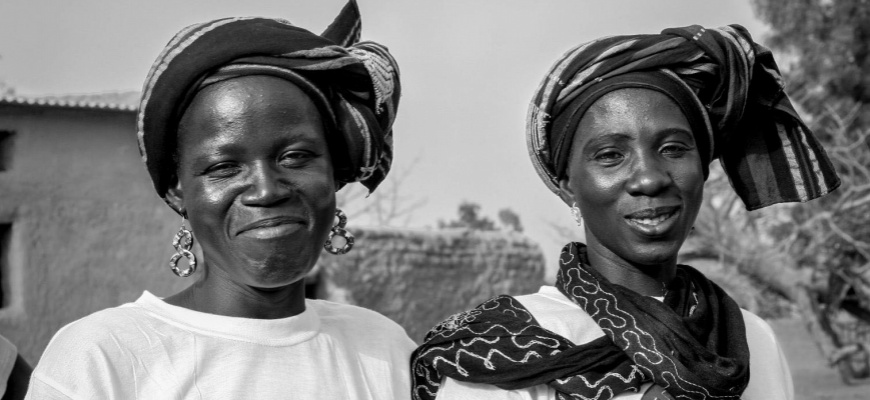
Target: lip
270,228
653,221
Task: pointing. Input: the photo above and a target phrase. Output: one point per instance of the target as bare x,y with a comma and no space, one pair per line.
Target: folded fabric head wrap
728,86
355,85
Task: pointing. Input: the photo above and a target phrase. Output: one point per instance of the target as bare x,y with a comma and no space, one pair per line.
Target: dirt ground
813,379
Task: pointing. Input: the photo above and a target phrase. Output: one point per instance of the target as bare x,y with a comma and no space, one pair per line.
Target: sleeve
769,376
8,354
80,362
44,391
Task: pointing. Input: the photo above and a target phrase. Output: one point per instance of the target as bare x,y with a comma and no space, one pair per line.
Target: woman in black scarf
623,129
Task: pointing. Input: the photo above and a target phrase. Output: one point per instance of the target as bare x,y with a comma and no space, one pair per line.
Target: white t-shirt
769,377
8,354
153,350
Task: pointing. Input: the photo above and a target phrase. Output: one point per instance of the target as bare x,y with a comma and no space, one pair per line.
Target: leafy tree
470,218
827,46
510,220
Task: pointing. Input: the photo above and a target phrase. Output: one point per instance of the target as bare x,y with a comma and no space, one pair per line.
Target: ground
813,379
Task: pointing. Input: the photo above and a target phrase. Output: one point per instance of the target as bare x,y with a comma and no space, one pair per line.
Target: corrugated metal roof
115,101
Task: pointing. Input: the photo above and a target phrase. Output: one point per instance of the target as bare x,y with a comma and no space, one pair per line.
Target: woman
623,129
14,371
247,127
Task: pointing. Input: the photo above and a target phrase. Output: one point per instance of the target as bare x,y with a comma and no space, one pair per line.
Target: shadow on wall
417,278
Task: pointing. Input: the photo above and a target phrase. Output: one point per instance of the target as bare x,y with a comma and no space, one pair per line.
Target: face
255,179
636,175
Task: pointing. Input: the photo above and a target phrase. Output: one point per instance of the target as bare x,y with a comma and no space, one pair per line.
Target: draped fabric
693,344
354,84
767,151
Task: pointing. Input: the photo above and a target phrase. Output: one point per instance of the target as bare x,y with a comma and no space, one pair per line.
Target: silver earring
338,230
182,242
575,211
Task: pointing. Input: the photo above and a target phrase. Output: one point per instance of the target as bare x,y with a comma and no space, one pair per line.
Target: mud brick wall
417,278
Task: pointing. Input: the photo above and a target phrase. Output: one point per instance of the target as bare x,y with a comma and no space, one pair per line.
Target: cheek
691,183
595,188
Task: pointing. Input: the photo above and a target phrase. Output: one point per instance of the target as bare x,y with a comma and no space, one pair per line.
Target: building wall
88,233
418,278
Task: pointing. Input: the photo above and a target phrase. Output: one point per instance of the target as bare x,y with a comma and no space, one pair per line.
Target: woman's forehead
631,109
242,96
244,106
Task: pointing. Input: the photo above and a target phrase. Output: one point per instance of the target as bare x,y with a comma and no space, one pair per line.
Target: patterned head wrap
355,86
728,86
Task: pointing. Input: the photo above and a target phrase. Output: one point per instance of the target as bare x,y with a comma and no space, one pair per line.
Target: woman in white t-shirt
623,130
248,127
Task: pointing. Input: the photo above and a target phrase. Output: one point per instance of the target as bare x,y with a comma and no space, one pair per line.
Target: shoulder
98,328
357,323
558,314
456,390
88,348
758,331
345,314
769,377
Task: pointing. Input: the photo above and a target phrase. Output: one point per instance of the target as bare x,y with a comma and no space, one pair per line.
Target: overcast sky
469,68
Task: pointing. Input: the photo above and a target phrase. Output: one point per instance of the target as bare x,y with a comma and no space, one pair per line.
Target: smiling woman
623,129
248,127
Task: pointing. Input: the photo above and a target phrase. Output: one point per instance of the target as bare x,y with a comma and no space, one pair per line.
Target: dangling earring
575,211
182,242
338,230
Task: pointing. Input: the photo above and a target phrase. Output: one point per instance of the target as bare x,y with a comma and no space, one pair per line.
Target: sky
469,69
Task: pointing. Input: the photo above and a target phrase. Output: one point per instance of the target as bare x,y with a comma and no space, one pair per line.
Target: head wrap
720,78
355,86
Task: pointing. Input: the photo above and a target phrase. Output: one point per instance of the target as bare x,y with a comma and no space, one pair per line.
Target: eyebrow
608,137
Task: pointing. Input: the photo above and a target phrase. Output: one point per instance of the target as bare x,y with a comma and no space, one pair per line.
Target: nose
265,187
649,177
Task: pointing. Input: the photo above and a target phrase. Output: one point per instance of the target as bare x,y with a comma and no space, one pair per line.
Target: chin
656,254
281,269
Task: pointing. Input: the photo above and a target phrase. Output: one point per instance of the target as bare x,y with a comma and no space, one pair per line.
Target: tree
510,220
827,44
469,218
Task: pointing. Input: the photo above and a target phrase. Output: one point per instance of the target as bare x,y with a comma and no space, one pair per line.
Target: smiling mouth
652,217
272,227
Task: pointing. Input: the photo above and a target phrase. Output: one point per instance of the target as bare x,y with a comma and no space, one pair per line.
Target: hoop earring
575,211
182,242
338,230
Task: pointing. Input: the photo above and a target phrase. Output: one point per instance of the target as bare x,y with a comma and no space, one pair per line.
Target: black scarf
693,344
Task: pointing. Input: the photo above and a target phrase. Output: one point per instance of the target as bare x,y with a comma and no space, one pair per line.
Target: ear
175,197
565,192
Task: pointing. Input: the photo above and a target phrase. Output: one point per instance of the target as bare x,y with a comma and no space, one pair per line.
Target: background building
81,230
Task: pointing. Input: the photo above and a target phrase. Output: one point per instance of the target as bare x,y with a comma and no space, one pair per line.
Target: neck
232,299
646,280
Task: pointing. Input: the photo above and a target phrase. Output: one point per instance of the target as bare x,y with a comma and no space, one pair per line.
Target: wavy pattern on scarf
623,328
500,343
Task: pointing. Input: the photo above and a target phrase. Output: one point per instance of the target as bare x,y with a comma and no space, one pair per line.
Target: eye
608,156
296,158
675,150
222,170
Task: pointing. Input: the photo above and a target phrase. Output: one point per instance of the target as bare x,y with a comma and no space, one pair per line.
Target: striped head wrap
728,86
355,86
